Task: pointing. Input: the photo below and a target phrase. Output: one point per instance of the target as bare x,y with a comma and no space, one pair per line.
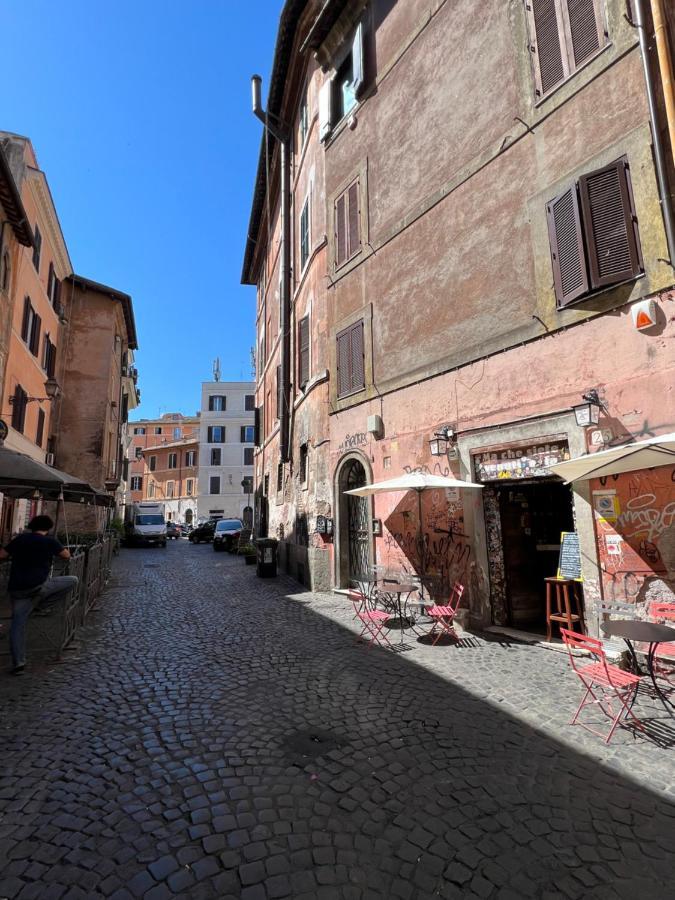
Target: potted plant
249,553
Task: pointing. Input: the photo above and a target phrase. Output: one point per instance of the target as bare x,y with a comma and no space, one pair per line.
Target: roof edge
113,293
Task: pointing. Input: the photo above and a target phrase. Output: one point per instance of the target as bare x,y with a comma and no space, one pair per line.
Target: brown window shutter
340,230
280,393
242,434
357,358
344,369
40,427
354,235
303,341
567,247
35,335
610,225
584,30
547,45
26,319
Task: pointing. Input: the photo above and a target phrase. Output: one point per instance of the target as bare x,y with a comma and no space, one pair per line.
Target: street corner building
66,347
462,237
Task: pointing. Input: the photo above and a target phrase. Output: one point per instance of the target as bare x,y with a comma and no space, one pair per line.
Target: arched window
5,272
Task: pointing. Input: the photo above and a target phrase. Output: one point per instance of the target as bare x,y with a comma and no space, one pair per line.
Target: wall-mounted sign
526,461
324,525
377,527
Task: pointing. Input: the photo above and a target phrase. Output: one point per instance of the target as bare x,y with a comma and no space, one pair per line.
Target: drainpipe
280,130
664,193
665,67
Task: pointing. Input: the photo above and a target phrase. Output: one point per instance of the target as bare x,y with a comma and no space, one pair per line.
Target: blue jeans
53,590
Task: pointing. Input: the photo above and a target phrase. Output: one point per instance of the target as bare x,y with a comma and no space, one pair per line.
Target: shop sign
514,463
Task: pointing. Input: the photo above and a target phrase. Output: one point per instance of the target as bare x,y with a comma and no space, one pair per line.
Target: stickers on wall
613,544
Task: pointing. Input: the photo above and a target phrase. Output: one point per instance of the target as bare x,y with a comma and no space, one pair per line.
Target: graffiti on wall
635,529
353,441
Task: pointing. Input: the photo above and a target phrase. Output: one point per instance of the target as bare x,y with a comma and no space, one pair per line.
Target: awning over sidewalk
655,451
21,476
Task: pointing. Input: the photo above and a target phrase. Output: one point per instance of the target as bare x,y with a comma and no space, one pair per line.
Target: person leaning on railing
29,582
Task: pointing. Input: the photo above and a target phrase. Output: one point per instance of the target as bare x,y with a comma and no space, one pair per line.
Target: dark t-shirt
31,560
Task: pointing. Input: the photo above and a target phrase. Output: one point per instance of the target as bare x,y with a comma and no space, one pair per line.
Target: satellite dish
216,369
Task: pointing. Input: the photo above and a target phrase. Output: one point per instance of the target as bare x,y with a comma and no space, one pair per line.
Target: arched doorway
354,551
247,517
188,517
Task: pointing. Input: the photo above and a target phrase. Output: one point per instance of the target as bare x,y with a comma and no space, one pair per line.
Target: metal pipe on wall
659,161
665,67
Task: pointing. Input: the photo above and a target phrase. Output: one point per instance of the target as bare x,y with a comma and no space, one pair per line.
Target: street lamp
588,412
440,442
52,391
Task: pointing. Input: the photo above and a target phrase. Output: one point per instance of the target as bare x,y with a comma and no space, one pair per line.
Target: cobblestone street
216,735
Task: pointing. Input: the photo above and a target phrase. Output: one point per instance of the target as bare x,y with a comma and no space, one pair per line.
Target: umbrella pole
59,501
420,543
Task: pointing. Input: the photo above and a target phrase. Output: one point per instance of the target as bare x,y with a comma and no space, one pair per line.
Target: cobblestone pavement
216,735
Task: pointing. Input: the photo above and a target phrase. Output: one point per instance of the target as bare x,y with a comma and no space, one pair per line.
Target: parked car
172,530
185,529
202,532
226,535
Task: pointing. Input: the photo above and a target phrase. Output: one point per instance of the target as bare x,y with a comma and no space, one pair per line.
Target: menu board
569,565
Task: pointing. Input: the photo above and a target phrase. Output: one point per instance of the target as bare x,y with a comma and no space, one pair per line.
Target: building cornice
42,195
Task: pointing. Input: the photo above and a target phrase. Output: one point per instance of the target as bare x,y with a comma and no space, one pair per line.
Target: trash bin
266,565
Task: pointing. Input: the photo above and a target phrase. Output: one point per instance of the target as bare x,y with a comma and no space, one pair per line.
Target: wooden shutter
209,434
25,323
547,45
256,426
344,370
353,219
340,229
57,296
19,408
39,434
357,59
35,335
584,30
325,98
303,354
567,248
280,393
358,367
610,225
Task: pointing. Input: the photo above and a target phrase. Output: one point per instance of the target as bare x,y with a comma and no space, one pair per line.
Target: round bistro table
394,592
648,633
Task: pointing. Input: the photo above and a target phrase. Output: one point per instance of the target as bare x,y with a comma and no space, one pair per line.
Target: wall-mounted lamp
440,442
588,412
52,390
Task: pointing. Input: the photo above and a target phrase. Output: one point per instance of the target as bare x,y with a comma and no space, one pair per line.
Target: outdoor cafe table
391,593
646,632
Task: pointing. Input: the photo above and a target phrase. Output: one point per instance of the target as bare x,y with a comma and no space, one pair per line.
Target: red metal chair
372,620
607,686
443,616
664,655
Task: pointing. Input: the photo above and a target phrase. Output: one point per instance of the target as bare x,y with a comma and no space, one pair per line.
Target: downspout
281,132
659,162
665,67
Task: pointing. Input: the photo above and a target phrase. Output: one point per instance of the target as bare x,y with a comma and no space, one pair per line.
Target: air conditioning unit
49,459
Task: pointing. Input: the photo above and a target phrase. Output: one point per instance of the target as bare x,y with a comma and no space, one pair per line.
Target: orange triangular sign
642,320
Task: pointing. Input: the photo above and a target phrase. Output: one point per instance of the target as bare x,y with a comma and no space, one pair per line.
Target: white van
146,524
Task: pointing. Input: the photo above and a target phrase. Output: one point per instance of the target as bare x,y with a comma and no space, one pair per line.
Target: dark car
202,532
173,530
226,536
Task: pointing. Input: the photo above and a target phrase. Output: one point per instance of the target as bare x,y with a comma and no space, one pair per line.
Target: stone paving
216,735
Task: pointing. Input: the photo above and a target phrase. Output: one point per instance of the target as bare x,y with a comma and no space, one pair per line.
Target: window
247,484
304,235
37,247
249,402
564,34
347,222
40,430
53,288
30,327
177,434
214,484
6,271
248,456
189,457
170,488
151,489
304,456
136,482
303,121
262,349
247,434
303,351
189,486
216,434
158,430
152,463
280,477
593,234
48,356
217,403
173,461
266,485
338,97
216,456
279,394
20,402
350,360
139,453
139,430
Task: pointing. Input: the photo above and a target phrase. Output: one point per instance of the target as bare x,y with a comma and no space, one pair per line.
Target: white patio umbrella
418,482
654,451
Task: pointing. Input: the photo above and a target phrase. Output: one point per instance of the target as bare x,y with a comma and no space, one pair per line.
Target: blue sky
140,115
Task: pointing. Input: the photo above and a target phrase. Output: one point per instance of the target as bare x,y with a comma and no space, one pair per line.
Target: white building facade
226,443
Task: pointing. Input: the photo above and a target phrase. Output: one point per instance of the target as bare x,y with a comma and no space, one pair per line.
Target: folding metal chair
372,620
664,655
443,617
608,687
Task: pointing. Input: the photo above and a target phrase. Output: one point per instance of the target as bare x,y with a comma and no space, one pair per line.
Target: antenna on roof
216,369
